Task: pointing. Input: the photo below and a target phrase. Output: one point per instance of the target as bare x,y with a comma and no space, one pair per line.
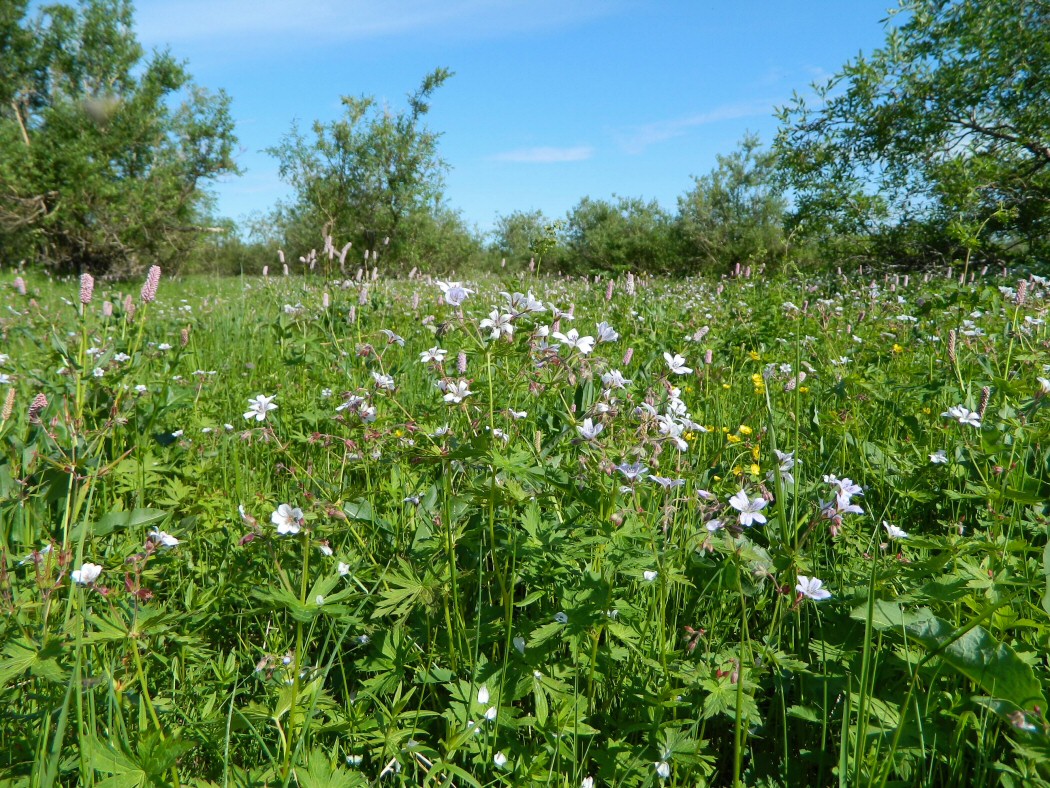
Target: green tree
946,126
103,155
735,213
364,176
626,234
517,234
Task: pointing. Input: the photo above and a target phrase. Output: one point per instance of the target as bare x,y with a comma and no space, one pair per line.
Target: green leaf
991,665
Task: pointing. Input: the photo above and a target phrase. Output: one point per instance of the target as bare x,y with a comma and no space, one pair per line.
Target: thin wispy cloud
545,155
264,23
636,139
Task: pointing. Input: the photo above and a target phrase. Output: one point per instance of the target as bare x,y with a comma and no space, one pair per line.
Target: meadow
341,528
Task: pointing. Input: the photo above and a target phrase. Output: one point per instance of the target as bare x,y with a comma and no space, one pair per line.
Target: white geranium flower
288,519
963,415
457,391
259,407
893,531
573,339
435,354
813,588
86,575
589,430
676,364
750,508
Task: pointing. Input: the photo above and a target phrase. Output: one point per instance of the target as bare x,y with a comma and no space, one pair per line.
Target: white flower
561,617
259,407
893,531
457,391
500,324
483,695
613,379
385,382
500,760
287,519
676,364
663,769
573,339
163,346
649,575
392,338
1044,386
490,713
517,415
963,415
939,457
813,588
589,430
750,509
343,569
607,333
319,599
633,472
162,538
588,782
86,575
435,354
454,292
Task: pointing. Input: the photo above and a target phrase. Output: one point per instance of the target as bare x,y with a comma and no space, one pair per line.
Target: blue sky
552,100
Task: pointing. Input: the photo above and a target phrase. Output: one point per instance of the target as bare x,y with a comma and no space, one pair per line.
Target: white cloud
264,23
545,155
636,139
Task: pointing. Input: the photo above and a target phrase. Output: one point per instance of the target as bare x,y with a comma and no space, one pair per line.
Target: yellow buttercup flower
745,430
897,348
733,438
737,470
755,470
755,356
756,450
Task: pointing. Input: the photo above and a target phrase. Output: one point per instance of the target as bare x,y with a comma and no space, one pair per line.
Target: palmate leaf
318,772
21,655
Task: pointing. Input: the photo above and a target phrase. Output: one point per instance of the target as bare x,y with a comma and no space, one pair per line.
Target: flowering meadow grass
529,531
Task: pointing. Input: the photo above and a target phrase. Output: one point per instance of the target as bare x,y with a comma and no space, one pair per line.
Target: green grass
480,597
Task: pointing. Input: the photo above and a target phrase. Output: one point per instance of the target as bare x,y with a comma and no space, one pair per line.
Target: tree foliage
102,154
625,234
366,176
735,213
942,131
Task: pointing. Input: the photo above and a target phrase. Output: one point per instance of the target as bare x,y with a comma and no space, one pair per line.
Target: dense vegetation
933,148
530,531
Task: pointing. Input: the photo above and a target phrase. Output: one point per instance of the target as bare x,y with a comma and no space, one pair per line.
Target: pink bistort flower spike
152,283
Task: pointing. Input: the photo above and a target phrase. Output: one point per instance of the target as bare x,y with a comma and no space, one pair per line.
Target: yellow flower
398,433
690,436
755,470
717,478
725,429
803,389
725,385
756,451
737,470
687,389
744,429
926,411
733,438
755,356
757,379
897,348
